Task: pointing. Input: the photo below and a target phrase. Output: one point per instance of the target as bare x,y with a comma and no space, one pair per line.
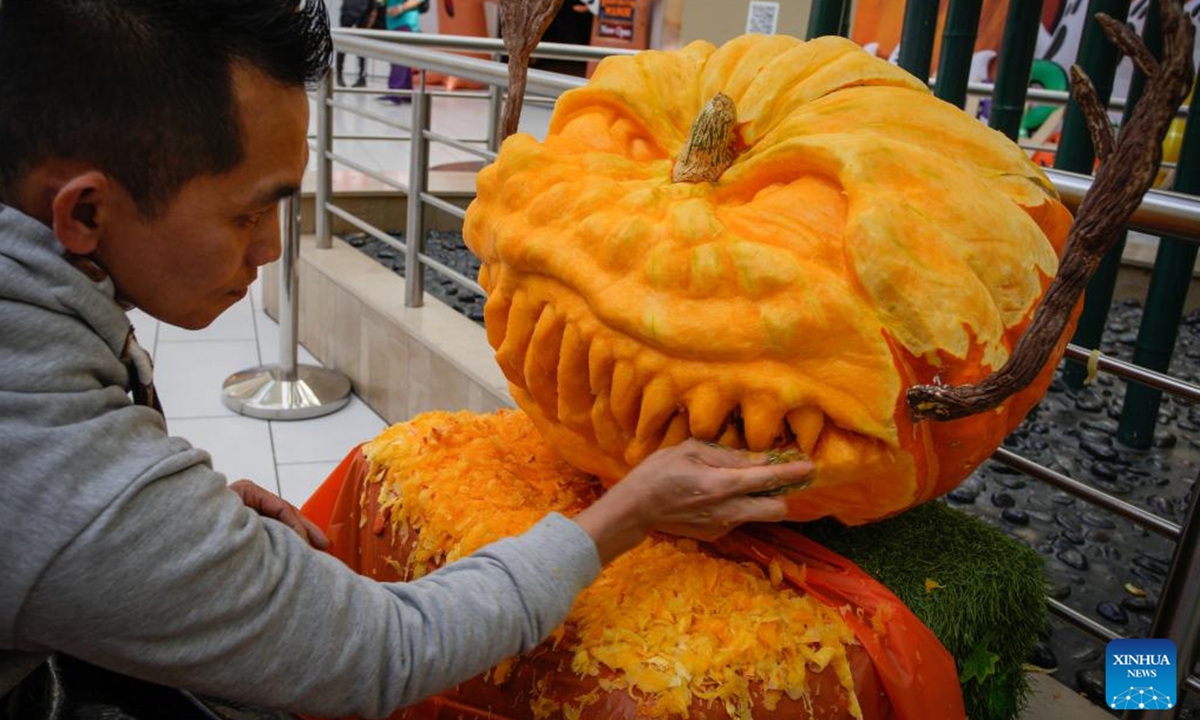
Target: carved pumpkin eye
770,270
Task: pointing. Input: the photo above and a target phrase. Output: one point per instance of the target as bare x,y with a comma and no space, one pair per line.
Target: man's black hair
143,89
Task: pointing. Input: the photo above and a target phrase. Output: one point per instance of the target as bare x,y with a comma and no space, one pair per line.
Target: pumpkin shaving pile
668,622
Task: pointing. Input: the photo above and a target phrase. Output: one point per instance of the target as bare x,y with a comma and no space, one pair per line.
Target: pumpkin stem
1127,169
709,150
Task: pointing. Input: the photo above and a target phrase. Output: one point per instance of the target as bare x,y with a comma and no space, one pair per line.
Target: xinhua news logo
1140,674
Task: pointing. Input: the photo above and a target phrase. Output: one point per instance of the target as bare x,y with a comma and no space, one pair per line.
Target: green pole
847,17
916,37
1075,153
1015,63
1169,284
825,18
958,45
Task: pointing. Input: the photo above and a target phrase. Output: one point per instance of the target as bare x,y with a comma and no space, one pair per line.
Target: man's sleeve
178,583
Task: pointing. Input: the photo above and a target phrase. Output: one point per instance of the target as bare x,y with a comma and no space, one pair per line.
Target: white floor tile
240,446
268,342
146,328
189,375
298,481
256,289
236,323
325,439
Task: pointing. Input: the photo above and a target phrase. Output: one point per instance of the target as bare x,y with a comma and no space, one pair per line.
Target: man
144,145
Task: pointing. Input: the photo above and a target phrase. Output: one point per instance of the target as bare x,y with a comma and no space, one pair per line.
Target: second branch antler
1127,169
524,22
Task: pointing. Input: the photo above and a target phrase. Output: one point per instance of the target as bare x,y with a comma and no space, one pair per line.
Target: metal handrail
1160,212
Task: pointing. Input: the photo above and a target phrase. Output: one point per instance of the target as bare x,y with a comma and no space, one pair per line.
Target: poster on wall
762,17
615,20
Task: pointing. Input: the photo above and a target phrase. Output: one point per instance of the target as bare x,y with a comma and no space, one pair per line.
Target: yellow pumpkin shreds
667,622
465,480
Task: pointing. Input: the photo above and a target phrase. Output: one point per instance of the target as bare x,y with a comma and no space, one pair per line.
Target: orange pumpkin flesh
866,238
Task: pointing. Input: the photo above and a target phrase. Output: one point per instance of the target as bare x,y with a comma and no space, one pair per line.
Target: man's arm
181,584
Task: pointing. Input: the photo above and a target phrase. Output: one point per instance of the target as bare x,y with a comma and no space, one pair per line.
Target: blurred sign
615,19
762,18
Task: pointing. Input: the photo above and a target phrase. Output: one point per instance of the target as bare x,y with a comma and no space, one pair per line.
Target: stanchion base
261,392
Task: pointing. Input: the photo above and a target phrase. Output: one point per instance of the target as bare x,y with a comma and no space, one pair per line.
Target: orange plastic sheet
901,672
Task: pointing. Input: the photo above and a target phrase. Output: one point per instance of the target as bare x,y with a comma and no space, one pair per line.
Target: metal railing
1160,212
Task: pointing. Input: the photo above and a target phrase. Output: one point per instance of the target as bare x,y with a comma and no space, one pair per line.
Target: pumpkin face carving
866,237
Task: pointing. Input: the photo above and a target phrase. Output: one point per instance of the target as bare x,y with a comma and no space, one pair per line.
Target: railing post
495,103
324,194
418,169
916,37
847,18
1165,298
825,18
1177,617
287,391
1015,63
958,46
289,289
1098,296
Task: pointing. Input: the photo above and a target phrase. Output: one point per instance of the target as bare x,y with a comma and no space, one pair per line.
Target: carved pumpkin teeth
511,353
707,411
575,398
731,437
626,395
677,429
609,434
762,425
659,403
600,367
541,361
495,317
806,423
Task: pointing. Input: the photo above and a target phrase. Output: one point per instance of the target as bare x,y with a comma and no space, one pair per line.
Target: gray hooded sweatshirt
121,546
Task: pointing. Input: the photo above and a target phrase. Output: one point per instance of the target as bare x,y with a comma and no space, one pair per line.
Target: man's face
200,253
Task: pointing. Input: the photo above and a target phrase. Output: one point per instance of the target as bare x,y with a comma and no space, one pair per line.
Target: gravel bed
1095,562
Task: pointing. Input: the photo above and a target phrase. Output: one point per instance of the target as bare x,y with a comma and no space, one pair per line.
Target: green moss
988,604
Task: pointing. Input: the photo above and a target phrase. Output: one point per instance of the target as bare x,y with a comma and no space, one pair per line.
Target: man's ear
80,208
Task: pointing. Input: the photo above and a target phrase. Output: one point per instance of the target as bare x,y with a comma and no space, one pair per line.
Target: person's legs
400,78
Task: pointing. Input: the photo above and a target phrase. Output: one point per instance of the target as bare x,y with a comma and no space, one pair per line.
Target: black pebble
1067,520
1090,682
1003,500
1098,521
1043,657
1098,450
1112,612
1142,605
1058,591
962,495
1014,516
1073,558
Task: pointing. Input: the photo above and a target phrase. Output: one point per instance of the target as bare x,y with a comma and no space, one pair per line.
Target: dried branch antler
1126,172
524,22
1094,113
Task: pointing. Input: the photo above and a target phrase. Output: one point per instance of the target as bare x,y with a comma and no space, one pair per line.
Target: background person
356,14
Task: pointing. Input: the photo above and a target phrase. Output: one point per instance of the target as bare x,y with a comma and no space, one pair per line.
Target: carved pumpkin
865,237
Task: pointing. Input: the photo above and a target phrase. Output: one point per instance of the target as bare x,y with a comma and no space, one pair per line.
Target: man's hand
268,504
692,489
